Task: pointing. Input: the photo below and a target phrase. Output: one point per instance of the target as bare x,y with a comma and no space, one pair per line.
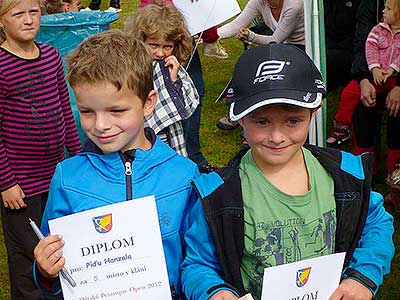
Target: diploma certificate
203,14
311,279
114,252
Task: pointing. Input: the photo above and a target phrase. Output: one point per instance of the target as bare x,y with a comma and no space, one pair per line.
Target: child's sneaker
340,134
113,9
226,124
214,50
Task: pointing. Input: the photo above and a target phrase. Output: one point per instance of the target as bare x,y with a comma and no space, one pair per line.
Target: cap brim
241,107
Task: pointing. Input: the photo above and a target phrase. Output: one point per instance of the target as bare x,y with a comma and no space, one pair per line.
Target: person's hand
197,39
368,93
48,255
393,102
377,73
350,289
13,197
224,295
173,66
388,73
243,34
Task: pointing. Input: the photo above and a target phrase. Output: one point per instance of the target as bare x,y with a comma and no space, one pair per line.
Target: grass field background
218,146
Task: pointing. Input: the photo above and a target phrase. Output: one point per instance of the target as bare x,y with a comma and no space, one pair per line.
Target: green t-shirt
281,228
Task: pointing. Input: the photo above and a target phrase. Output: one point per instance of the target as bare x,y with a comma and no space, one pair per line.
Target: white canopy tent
315,48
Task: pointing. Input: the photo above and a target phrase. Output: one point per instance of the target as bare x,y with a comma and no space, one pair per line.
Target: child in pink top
382,48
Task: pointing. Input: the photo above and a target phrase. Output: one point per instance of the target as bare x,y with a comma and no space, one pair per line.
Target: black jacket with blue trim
223,207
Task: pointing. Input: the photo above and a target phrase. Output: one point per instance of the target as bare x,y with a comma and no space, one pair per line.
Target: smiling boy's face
276,134
112,119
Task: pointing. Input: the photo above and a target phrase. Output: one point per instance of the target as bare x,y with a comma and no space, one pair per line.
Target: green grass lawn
218,146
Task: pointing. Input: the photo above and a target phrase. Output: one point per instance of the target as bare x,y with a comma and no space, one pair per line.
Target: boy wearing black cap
282,201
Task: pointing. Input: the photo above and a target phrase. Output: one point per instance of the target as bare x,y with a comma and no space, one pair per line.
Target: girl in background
163,29
36,124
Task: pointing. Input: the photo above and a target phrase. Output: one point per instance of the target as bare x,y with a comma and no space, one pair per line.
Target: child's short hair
115,57
162,21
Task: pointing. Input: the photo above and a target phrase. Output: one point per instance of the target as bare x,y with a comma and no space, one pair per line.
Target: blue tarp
65,31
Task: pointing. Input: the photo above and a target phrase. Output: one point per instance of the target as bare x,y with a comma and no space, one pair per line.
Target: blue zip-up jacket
364,229
90,180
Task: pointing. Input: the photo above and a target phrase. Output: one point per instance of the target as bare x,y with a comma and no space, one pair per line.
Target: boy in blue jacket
111,75
283,201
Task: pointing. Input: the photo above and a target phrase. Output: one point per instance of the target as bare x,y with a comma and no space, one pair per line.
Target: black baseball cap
274,74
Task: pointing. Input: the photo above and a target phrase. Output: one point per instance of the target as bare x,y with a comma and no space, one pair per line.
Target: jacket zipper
128,175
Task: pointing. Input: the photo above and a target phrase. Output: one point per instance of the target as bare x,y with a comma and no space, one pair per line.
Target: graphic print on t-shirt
285,241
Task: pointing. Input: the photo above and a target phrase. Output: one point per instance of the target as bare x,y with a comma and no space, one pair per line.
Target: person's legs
20,241
211,45
365,122
210,35
349,98
192,125
115,4
95,4
393,141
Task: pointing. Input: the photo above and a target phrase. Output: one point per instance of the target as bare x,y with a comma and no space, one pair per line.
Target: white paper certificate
312,279
114,252
203,14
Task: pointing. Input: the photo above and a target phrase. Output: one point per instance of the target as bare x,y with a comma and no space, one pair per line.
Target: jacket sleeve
366,19
286,26
190,97
372,49
371,259
200,269
7,178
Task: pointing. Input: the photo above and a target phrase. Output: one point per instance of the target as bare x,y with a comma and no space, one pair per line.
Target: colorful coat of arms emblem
103,224
302,276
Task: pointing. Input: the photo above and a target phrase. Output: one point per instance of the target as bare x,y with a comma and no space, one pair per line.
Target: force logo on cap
269,70
275,74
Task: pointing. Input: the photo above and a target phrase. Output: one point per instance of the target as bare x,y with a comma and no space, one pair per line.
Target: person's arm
372,258
72,141
372,55
242,20
11,193
286,25
200,269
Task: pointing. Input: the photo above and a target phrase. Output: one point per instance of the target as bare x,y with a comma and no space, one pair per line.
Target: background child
60,6
382,51
280,202
211,46
36,124
112,114
163,29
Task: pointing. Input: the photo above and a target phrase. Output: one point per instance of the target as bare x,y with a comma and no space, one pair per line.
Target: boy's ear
150,103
